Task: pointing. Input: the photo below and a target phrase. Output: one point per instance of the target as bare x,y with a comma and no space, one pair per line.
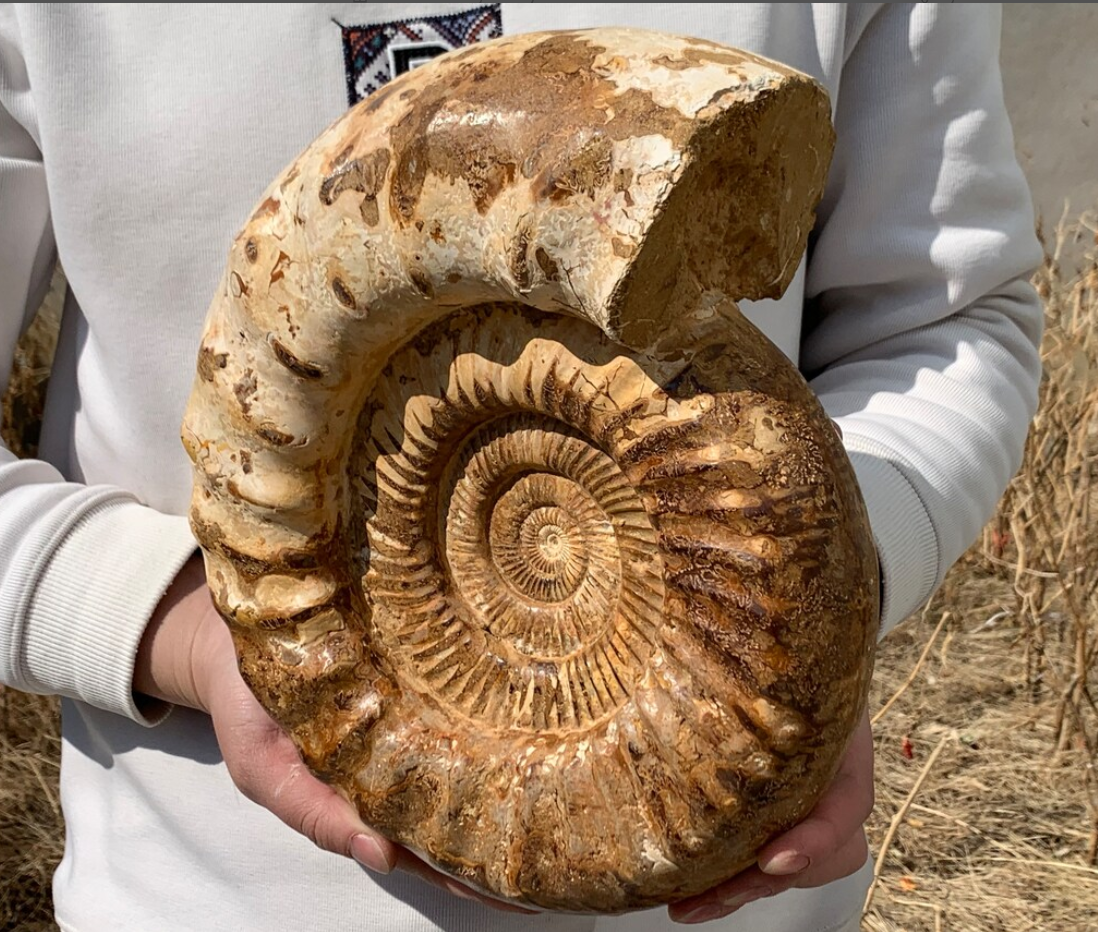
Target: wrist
169,662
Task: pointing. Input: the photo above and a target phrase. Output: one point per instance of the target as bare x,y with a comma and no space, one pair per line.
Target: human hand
187,657
828,845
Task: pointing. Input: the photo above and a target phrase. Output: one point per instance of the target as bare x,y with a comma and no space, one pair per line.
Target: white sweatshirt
135,139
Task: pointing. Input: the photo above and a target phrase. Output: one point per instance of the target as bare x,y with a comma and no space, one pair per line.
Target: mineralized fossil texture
536,547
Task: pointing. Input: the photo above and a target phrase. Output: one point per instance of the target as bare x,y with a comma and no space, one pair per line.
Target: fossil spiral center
542,534
552,544
530,548
513,571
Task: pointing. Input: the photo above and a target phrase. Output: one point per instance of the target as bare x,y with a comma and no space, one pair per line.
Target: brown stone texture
537,548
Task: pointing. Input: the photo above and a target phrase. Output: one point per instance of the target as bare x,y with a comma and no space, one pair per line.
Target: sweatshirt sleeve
81,567
923,330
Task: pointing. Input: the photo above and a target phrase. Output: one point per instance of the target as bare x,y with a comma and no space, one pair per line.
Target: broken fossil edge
541,553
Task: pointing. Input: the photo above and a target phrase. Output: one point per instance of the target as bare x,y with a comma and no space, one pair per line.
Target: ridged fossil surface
537,548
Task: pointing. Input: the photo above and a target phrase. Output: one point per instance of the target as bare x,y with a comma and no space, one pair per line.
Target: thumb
315,809
833,831
267,769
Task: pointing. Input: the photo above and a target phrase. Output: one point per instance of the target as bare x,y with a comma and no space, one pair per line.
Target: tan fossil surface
537,548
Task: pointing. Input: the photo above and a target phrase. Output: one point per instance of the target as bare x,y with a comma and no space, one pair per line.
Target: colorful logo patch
373,55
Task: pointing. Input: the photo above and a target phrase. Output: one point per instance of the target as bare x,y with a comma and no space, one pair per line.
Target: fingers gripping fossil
537,548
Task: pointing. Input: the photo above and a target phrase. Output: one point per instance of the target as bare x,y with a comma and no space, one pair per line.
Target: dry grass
25,397
31,828
996,837
987,804
1003,830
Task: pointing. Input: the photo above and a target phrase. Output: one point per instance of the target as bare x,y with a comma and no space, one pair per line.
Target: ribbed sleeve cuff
907,545
94,599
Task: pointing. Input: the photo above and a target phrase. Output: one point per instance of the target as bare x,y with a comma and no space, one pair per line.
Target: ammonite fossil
536,547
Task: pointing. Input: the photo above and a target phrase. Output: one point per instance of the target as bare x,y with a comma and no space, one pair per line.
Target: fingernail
460,890
368,853
788,862
730,905
748,896
705,914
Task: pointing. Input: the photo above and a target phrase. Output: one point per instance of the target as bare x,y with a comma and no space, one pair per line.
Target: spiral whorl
541,588
535,546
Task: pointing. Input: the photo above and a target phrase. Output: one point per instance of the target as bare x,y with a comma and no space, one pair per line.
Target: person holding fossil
135,139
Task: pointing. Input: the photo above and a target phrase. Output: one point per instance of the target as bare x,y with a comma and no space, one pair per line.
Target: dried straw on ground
31,829
1003,830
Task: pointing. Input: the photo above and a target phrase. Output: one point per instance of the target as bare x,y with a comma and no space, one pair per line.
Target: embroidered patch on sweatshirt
375,54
